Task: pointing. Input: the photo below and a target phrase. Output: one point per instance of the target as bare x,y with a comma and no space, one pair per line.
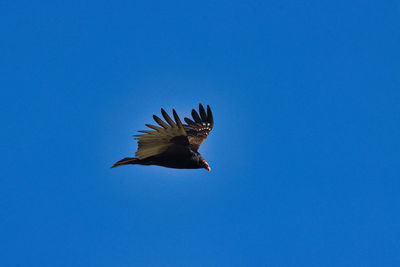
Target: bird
173,145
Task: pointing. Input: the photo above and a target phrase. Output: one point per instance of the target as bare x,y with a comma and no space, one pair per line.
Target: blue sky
304,152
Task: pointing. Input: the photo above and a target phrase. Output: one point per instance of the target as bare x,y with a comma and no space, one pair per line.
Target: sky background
304,153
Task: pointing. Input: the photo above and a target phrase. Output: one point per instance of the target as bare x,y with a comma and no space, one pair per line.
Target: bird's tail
125,161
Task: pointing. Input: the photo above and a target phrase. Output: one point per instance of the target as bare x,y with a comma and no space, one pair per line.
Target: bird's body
185,160
174,145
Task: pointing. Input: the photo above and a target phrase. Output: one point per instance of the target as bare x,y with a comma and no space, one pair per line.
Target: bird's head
204,164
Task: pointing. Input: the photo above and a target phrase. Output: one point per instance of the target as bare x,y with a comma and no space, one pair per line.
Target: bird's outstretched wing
171,137
198,130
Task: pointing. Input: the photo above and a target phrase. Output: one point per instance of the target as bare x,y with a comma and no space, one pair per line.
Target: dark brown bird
174,145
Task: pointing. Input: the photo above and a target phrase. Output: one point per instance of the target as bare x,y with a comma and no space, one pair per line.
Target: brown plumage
173,145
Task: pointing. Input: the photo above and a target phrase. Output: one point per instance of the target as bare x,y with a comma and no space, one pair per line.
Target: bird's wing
171,137
198,130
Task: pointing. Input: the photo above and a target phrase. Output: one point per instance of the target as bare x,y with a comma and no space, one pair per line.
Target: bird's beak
207,167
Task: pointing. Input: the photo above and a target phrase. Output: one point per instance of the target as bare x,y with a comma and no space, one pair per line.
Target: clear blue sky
304,154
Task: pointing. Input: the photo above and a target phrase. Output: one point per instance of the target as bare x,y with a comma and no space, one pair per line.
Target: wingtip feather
177,119
189,121
168,118
160,122
210,117
202,113
196,116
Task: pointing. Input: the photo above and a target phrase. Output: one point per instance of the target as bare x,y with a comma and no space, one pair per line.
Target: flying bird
173,145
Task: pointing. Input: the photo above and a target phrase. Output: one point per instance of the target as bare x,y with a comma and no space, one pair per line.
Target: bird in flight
173,145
